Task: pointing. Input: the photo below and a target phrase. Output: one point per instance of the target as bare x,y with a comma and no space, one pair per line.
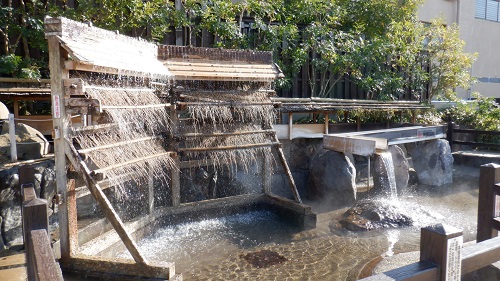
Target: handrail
40,261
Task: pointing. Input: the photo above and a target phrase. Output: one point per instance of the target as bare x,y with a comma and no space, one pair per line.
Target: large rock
332,179
400,171
373,214
10,198
34,145
4,112
433,163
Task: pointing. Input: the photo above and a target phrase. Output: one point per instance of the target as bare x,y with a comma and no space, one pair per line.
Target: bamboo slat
116,144
102,170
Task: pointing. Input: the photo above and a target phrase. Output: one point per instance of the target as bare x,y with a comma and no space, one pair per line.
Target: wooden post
12,136
266,174
290,125
291,181
488,201
35,216
104,203
449,133
176,182
442,244
151,192
42,259
57,75
358,124
326,123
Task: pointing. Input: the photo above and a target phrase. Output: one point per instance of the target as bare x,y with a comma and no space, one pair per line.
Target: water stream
388,180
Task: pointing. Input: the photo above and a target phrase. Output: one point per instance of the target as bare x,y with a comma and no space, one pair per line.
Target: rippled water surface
212,249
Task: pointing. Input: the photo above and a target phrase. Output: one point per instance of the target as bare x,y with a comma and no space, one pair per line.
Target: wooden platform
13,267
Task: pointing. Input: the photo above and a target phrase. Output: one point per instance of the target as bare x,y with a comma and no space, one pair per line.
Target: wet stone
263,258
368,215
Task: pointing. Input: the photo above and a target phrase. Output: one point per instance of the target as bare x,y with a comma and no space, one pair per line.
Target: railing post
488,202
441,245
35,216
449,133
12,135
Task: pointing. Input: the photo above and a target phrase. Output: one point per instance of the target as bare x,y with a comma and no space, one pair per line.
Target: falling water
389,179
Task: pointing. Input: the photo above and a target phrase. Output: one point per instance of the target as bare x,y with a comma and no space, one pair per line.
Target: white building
479,22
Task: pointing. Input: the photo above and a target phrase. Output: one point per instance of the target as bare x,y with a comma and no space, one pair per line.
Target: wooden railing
40,261
452,131
442,256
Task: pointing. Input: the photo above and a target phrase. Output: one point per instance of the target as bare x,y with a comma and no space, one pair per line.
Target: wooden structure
461,137
40,260
442,256
81,54
290,108
20,92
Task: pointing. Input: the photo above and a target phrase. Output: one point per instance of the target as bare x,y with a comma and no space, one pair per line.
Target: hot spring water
213,249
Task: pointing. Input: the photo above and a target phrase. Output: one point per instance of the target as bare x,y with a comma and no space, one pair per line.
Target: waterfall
388,180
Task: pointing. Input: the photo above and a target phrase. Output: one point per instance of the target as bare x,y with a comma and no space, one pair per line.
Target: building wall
481,36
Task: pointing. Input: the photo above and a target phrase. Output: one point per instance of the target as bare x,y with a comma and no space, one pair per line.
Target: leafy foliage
377,44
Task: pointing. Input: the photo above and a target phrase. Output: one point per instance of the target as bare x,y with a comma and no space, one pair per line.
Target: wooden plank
133,161
291,181
104,203
45,265
117,144
24,90
245,146
413,272
57,76
100,266
216,63
24,80
201,135
34,217
72,218
354,145
489,175
176,182
481,254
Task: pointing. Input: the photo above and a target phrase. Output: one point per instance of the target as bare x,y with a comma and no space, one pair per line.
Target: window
488,10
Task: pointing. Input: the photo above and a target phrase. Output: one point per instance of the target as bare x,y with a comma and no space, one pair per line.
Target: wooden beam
123,268
488,202
291,181
104,203
140,159
35,216
44,264
245,146
481,254
116,144
201,135
57,76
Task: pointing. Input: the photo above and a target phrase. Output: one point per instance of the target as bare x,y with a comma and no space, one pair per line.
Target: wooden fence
41,264
472,134
442,256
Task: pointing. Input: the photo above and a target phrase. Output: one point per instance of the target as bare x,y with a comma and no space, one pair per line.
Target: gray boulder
433,163
332,179
4,112
34,145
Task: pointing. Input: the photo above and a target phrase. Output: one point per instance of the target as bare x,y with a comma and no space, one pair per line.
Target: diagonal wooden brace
103,202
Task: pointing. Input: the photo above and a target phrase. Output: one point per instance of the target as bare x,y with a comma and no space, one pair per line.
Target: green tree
449,64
